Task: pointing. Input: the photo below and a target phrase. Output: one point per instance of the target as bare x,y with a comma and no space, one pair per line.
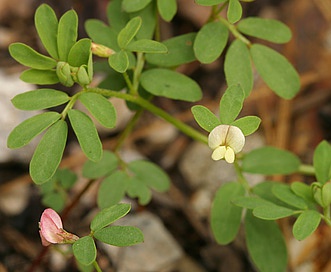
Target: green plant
142,65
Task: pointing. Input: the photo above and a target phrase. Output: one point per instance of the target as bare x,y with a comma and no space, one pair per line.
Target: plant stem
96,266
137,72
234,31
70,105
189,131
307,169
242,180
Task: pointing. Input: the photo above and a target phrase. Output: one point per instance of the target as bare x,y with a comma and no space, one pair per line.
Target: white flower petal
218,153
235,139
229,155
218,136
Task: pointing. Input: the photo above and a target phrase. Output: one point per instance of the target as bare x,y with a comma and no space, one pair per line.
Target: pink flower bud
51,229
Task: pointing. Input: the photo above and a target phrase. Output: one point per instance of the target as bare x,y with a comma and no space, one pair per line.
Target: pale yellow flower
226,141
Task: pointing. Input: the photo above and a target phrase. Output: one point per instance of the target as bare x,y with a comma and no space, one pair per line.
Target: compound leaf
205,118
128,32
306,224
84,250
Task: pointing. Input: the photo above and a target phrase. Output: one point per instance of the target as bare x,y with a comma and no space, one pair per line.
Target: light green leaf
67,33
47,24
210,41
267,29
205,118
112,189
39,99
209,2
260,235
30,128
247,124
167,83
225,216
234,11
48,153
250,202
269,161
147,15
138,188
120,236
180,51
27,56
100,107
264,190
150,174
306,224
109,215
303,190
40,77
147,46
101,33
79,53
128,32
107,164
284,193
322,162
167,9
84,250
66,178
116,16
238,67
272,212
276,71
87,134
119,61
231,104
134,5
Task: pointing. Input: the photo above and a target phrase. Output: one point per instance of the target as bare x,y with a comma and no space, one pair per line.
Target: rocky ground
175,224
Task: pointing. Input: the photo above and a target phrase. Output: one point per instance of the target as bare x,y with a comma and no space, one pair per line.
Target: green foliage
30,128
84,250
67,33
272,212
276,71
180,51
47,26
234,11
167,9
238,67
247,124
306,224
209,2
167,83
136,5
225,216
284,193
322,162
231,104
119,61
109,215
205,118
39,99
265,244
48,153
126,35
40,77
147,46
107,164
266,29
113,189
302,190
210,42
120,236
270,160
100,107
79,53
87,134
27,56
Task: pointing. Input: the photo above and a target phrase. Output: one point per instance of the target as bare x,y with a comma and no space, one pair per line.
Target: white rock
158,252
10,117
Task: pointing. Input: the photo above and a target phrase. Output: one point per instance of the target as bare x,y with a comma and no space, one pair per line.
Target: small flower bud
51,229
101,50
63,72
82,76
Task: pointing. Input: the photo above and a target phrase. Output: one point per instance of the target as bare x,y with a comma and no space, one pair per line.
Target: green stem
191,132
234,31
96,266
307,169
128,82
137,71
70,105
242,180
129,127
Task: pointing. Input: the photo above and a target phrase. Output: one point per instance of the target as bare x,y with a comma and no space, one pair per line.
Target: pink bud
51,229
